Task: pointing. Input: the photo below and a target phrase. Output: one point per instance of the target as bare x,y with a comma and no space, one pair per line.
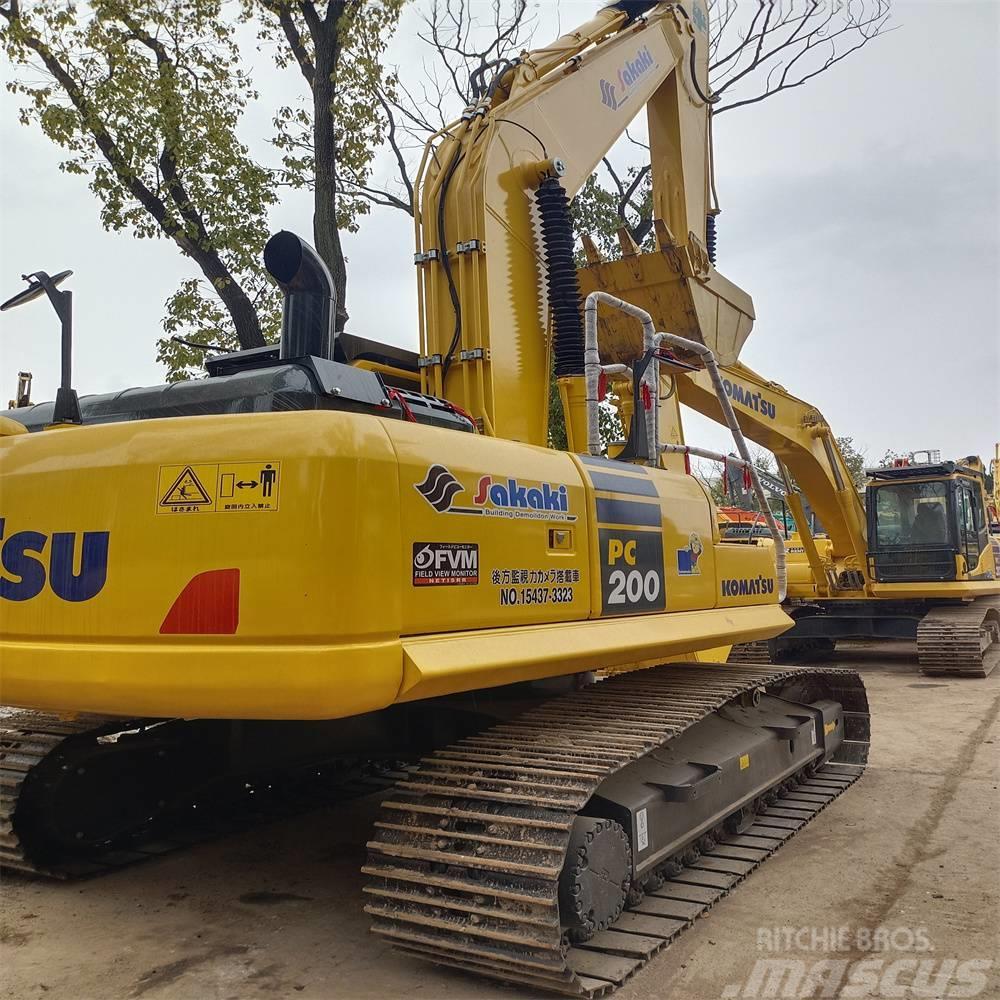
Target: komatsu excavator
994,502
913,561
219,590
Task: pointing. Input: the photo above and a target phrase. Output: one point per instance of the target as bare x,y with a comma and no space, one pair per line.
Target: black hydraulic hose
477,77
524,128
693,52
634,9
561,278
446,263
694,77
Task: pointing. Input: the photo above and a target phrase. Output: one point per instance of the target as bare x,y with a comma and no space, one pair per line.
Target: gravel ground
911,849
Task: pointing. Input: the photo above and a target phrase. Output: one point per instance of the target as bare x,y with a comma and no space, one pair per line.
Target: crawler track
762,651
961,639
26,739
33,744
757,651
465,861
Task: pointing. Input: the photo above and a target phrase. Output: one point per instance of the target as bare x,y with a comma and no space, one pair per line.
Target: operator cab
926,522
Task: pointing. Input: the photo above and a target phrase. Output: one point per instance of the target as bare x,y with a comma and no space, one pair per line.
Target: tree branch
400,159
294,38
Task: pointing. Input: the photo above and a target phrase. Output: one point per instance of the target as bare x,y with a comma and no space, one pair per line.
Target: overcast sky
861,211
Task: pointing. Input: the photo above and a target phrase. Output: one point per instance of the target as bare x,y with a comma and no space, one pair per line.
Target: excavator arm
807,452
494,238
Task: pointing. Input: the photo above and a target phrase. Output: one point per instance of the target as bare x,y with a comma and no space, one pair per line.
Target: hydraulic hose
561,279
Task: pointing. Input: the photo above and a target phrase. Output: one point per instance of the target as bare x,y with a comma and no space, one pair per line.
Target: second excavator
913,561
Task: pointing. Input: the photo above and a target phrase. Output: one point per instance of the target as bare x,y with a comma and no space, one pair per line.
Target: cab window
912,514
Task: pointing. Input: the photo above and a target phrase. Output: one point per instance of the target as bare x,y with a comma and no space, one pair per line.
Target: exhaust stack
307,321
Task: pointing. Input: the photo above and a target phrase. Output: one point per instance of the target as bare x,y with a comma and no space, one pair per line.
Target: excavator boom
805,446
493,230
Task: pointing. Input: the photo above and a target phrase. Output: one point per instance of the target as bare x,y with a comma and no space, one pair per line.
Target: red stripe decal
208,605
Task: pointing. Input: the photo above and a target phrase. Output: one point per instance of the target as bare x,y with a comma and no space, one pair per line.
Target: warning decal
185,491
218,487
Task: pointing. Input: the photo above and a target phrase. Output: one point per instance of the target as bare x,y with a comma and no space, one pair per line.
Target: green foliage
154,82
855,459
196,315
364,31
600,211
146,99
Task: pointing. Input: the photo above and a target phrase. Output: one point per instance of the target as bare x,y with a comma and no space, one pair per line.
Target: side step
464,868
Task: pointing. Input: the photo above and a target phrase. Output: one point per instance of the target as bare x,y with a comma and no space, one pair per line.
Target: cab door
972,535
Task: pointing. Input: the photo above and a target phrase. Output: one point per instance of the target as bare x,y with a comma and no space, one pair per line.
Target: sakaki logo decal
614,93
439,489
496,497
454,564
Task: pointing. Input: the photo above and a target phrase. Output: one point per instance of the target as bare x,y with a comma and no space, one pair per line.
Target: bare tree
781,46
468,43
785,45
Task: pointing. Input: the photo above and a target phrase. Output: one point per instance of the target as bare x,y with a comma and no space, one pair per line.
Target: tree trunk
326,232
244,316
234,298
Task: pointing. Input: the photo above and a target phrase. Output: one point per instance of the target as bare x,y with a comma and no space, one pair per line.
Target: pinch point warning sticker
220,487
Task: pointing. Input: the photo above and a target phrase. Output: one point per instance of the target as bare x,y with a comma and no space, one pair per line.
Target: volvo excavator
913,561
216,594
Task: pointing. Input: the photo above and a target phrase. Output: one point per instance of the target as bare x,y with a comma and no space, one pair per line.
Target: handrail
712,367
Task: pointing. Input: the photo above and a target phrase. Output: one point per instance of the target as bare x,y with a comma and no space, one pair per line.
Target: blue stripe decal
611,464
628,512
623,484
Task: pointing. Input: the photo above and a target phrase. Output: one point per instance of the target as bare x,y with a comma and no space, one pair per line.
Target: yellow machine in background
994,503
302,561
913,561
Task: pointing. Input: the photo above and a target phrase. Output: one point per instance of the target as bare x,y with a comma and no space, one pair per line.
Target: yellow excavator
994,503
218,595
911,561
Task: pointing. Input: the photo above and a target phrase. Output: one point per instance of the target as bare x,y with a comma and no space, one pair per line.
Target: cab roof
920,471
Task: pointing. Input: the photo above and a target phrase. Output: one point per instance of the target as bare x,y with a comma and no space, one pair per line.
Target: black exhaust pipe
307,320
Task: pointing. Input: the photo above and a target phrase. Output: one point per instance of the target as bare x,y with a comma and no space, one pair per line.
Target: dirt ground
911,849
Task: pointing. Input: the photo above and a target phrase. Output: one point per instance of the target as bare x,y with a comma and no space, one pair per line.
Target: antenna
67,408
